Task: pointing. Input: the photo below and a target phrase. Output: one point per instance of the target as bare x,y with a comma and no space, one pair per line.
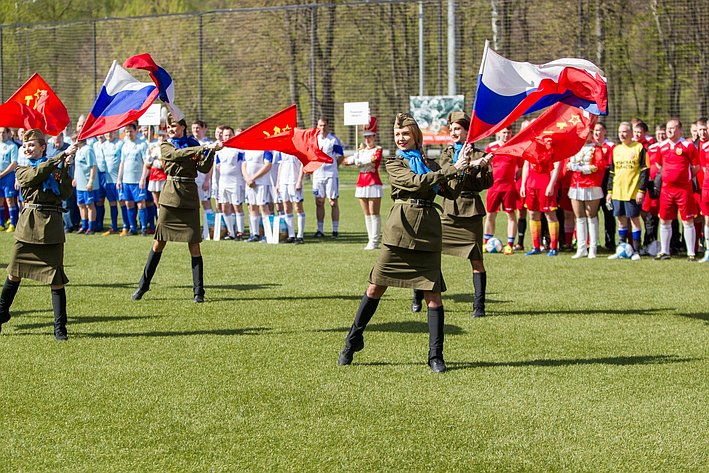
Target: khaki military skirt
176,224
463,236
43,263
402,267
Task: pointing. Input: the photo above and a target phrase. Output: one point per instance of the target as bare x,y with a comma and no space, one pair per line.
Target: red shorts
704,207
520,200
651,206
672,199
564,201
536,201
508,200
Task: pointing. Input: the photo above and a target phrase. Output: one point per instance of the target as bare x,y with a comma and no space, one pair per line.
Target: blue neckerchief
414,159
457,147
184,142
49,184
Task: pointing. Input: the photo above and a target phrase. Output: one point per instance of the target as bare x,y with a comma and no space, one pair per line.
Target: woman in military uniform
462,218
38,252
411,256
178,220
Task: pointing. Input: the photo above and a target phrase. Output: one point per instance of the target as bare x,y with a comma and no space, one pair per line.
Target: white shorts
289,194
231,195
258,195
328,187
275,196
585,193
203,194
156,186
369,192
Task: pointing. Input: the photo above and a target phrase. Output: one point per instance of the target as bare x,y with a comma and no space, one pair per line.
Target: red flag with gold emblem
35,105
279,133
557,134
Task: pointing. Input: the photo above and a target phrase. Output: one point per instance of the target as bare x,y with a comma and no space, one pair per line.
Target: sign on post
356,113
151,117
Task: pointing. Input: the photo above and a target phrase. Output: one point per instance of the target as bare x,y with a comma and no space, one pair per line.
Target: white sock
665,237
254,222
230,220
581,234
301,225
690,237
376,227
321,226
335,226
368,223
240,222
289,224
593,232
706,237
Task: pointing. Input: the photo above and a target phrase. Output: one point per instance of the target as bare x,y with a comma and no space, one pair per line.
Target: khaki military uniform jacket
44,225
468,203
409,225
183,164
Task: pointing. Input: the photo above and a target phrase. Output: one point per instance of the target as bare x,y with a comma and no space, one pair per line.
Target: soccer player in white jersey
326,179
231,187
276,202
290,188
203,181
256,168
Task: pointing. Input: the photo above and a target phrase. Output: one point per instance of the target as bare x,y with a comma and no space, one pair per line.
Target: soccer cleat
553,252
109,232
692,259
614,256
635,257
507,250
437,365
253,239
124,232
518,247
319,234
289,240
298,241
10,228
662,257
198,298
533,251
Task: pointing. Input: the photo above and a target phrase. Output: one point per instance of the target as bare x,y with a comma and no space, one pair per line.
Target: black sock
365,311
521,230
149,271
198,275
436,321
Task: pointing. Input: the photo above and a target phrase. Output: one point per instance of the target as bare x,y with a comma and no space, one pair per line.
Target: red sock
554,235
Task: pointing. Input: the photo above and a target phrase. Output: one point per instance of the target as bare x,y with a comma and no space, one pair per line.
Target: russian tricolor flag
161,78
508,90
122,100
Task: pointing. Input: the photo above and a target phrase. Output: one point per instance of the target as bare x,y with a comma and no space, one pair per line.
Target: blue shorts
7,186
101,191
149,197
86,197
110,192
626,208
132,193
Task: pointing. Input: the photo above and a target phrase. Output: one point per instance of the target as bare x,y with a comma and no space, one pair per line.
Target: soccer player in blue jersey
87,182
8,163
100,193
111,154
134,153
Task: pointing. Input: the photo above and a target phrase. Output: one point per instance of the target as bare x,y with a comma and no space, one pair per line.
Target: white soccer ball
493,245
624,250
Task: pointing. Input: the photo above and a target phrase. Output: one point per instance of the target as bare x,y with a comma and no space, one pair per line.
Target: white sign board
356,113
151,116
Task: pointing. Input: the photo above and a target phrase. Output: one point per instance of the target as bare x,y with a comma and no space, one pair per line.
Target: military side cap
405,119
455,116
32,135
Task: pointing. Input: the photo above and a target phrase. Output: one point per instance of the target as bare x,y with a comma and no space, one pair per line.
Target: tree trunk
665,32
292,26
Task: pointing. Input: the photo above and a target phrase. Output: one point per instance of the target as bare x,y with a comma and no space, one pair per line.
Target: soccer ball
493,245
624,250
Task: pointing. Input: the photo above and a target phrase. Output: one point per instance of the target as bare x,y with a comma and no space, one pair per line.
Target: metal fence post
2,67
199,92
95,62
313,111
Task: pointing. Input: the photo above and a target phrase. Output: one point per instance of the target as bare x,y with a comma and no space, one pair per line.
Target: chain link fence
240,65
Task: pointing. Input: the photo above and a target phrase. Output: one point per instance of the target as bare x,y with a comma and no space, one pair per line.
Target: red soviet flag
555,135
35,105
279,133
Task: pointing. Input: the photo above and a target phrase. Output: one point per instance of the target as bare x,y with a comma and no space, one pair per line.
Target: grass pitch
589,365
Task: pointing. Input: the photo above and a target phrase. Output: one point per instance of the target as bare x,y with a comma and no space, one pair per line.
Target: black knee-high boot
148,272
416,301
436,321
59,306
9,290
480,286
198,278
354,341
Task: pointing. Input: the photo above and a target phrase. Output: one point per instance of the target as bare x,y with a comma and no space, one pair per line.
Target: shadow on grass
82,320
234,287
187,333
344,237
408,326
582,311
283,298
116,285
469,298
704,316
609,360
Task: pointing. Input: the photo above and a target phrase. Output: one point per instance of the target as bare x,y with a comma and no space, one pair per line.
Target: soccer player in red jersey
678,161
702,139
539,192
503,192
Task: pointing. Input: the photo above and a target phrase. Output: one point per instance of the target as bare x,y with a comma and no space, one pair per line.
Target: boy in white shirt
231,186
289,186
256,168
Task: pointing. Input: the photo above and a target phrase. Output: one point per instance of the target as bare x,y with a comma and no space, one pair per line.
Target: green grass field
589,365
